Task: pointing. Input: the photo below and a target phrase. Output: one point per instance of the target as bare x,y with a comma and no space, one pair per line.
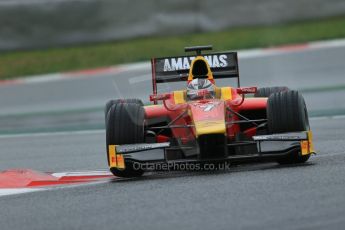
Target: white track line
14,191
339,117
82,173
327,44
333,117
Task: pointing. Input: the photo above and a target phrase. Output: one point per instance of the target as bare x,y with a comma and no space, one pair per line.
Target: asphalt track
261,196
265,196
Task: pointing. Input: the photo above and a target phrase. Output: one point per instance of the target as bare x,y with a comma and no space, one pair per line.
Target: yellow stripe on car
310,140
112,156
209,127
307,146
226,93
120,161
115,160
304,148
179,97
209,72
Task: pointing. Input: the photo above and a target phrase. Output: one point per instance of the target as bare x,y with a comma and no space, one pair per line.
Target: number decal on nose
208,107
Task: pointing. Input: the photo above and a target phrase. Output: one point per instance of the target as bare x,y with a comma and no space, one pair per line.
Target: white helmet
197,87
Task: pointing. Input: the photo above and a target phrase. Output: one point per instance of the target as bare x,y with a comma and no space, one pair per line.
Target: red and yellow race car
203,124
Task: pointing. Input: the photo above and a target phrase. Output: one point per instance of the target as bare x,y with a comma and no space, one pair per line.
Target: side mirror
247,90
160,97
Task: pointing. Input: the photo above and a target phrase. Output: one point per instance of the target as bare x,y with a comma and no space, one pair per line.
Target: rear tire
267,91
287,112
125,125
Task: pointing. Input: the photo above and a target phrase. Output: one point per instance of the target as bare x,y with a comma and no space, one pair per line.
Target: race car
204,123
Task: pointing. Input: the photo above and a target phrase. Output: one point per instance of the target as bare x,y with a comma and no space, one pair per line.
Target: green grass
23,63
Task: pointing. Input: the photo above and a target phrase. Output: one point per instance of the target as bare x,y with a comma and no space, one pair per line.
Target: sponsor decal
245,90
183,63
288,137
140,147
209,106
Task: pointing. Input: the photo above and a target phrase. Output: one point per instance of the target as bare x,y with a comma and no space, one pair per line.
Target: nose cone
208,117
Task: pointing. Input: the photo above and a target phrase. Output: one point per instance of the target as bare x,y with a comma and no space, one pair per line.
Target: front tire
287,112
125,125
110,103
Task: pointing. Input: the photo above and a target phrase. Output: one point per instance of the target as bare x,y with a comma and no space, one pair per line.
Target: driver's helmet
200,89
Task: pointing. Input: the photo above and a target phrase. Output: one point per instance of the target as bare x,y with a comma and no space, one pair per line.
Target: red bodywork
206,110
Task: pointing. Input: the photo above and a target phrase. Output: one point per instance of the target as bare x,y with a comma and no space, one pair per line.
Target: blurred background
28,24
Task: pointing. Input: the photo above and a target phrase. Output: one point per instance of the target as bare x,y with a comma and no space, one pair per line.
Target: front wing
269,147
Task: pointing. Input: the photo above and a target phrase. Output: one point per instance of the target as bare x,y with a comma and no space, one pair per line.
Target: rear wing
174,69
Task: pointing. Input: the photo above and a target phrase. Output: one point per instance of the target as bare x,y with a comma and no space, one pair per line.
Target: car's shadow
233,169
